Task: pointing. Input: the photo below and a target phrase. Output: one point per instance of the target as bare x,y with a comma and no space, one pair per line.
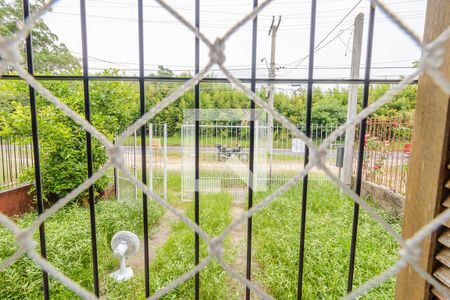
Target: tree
49,55
164,72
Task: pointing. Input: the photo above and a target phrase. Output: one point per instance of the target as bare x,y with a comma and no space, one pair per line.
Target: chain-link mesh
432,59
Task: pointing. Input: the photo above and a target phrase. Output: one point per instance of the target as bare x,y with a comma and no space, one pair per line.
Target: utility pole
353,99
273,32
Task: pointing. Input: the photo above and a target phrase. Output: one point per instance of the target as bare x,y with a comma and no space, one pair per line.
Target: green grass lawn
69,249
177,255
275,248
328,234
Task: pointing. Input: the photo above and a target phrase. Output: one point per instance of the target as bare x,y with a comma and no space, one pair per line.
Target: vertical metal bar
27,163
20,157
197,152
87,114
393,148
143,148
14,150
165,160
256,158
8,158
309,96
150,137
252,151
3,162
135,162
362,133
116,178
183,153
35,136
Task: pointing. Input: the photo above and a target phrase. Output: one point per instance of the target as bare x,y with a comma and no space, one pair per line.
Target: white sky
113,35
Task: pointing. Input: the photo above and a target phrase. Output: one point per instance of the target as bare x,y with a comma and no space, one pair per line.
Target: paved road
178,149
391,156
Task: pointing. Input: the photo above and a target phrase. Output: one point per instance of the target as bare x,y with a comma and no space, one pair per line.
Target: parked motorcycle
224,153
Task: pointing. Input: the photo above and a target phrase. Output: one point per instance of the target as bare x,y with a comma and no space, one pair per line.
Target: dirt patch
155,242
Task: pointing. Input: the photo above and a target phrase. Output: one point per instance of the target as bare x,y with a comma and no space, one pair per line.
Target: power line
245,67
315,51
222,12
316,48
213,26
330,32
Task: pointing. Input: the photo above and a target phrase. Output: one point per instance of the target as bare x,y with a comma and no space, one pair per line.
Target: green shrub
63,142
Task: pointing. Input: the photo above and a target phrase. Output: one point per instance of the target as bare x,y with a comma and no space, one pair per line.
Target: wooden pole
272,73
428,173
353,99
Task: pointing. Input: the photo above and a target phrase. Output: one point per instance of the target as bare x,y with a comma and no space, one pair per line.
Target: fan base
122,275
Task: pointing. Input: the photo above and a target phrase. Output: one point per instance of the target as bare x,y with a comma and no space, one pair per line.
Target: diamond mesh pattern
432,59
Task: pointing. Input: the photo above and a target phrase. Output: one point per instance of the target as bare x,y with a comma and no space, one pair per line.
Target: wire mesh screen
316,156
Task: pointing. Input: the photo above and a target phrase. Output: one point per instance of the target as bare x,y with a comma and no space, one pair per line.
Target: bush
62,141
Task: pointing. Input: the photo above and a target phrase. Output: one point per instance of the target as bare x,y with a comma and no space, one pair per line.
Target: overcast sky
113,35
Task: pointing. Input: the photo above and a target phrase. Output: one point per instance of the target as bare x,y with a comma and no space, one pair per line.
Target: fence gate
156,145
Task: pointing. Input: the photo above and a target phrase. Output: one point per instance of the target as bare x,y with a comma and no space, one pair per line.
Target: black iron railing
253,80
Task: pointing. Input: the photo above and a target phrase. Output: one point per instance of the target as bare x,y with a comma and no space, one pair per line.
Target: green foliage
62,141
12,91
401,105
50,56
328,111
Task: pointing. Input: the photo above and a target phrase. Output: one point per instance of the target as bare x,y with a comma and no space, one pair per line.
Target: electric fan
124,244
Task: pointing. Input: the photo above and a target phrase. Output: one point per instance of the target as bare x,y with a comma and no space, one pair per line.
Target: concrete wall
383,197
16,201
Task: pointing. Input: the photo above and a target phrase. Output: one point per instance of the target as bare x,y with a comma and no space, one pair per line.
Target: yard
275,247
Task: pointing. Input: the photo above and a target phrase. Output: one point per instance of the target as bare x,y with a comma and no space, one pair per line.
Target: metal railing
15,157
387,146
141,79
156,145
214,244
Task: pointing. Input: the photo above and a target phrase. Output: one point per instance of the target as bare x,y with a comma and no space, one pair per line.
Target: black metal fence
253,80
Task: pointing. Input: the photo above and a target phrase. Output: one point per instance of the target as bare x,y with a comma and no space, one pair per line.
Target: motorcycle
224,153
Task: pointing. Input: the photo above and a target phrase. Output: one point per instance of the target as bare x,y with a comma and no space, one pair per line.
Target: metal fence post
255,169
36,154
116,177
150,154
135,164
165,161
312,37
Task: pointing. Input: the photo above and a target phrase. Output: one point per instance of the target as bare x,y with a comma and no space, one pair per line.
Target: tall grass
328,235
177,255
